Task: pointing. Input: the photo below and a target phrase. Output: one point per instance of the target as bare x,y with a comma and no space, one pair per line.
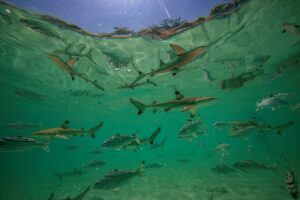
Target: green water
235,45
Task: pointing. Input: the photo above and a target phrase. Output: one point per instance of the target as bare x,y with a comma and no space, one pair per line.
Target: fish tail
59,175
46,147
93,130
140,106
154,135
280,128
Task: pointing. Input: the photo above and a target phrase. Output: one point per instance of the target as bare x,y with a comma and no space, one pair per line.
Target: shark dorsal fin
65,125
178,49
178,95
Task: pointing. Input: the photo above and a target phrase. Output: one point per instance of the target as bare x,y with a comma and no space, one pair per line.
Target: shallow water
248,40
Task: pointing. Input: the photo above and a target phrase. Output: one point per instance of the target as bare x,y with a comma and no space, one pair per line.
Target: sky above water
100,16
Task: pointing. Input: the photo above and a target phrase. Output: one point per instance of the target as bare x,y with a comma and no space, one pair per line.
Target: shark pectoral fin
178,49
178,95
167,109
65,125
191,109
62,137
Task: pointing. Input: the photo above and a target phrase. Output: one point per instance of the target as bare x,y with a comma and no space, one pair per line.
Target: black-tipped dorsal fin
65,125
178,49
178,95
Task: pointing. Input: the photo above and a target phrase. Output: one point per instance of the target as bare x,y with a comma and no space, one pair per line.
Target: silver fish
95,164
274,101
250,164
74,172
220,124
19,143
22,126
119,141
292,28
296,107
116,178
191,130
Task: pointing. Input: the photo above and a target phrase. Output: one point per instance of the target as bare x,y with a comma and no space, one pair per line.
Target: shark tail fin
46,147
140,106
163,142
154,135
59,175
93,130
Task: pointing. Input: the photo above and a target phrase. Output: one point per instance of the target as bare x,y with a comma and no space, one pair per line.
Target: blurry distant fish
223,149
81,195
289,64
274,101
292,28
72,148
207,77
97,152
296,107
240,80
95,164
29,94
186,103
116,178
183,160
133,85
158,145
51,197
250,164
183,58
291,183
220,124
22,126
19,143
64,132
191,130
74,172
155,165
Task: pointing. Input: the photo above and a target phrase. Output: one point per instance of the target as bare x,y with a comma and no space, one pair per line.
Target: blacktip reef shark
64,132
186,103
80,196
183,58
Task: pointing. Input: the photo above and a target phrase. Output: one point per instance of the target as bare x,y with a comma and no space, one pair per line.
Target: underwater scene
183,110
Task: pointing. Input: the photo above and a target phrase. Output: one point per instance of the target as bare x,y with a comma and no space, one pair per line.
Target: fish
133,85
220,124
95,164
250,164
274,101
21,143
74,172
185,103
97,152
183,58
80,196
223,149
289,64
296,107
291,182
206,75
22,126
191,130
292,28
29,94
158,145
240,80
155,165
223,169
64,132
72,148
131,142
116,178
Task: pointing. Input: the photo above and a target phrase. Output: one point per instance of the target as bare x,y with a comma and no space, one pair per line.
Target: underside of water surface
224,92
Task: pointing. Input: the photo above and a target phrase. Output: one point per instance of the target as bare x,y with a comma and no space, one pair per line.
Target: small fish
95,164
250,164
116,178
97,152
29,94
292,28
206,75
64,132
223,169
296,107
155,165
291,183
220,124
22,126
274,101
81,195
74,172
223,149
20,143
72,148
191,130
185,103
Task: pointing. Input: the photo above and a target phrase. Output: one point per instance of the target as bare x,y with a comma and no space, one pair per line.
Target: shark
185,103
80,196
64,132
